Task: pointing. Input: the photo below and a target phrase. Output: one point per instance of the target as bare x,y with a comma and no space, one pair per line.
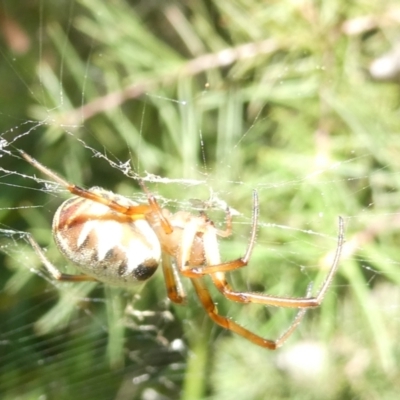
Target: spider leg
155,207
223,286
211,243
228,225
296,321
227,323
52,270
134,211
173,283
213,264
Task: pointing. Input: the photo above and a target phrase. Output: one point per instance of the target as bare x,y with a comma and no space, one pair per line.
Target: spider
117,241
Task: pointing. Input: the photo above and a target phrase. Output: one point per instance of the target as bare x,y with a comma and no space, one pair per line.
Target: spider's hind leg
227,323
52,270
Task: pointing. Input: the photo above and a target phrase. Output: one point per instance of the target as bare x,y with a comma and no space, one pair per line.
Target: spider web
102,107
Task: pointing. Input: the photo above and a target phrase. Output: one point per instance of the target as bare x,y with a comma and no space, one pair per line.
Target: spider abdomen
105,244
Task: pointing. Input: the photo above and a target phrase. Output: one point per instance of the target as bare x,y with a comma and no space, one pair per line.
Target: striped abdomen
109,246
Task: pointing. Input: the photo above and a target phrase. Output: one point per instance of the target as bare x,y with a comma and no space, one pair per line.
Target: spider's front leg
136,212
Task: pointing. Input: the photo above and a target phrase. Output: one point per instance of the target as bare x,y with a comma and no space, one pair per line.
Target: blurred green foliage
219,97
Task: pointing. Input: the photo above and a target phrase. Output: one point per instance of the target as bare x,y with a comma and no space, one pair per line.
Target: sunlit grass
296,118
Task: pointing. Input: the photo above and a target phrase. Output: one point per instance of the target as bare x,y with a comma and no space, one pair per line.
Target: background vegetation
219,97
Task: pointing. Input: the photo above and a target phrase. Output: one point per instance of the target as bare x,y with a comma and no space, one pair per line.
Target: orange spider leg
299,302
136,212
155,207
210,242
228,227
210,239
173,283
227,323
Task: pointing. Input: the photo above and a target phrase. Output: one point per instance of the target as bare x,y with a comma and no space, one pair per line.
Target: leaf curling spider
117,241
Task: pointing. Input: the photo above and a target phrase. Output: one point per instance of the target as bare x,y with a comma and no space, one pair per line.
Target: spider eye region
111,247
